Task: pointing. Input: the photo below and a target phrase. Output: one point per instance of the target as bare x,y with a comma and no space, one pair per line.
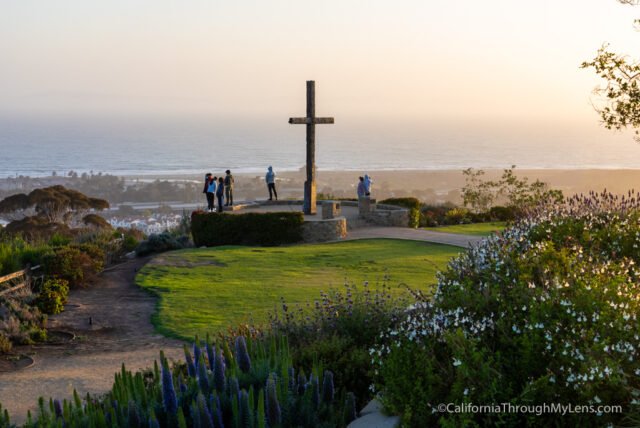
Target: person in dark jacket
361,191
228,189
220,193
270,179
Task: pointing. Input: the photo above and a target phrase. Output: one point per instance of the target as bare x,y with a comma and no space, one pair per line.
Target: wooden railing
15,281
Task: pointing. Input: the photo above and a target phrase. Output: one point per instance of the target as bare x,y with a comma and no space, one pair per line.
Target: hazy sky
408,59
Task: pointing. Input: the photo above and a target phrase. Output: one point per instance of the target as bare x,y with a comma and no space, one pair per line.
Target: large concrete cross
311,120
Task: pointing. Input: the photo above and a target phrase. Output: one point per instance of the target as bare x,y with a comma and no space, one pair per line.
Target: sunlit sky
408,59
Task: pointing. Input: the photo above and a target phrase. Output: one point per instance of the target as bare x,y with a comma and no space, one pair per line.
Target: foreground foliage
544,313
244,384
339,329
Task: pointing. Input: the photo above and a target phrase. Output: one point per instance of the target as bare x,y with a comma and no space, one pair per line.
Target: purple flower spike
57,408
274,414
211,355
327,387
169,399
191,368
242,354
218,372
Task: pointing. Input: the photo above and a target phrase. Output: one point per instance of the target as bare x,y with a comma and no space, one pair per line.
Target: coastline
420,183
570,181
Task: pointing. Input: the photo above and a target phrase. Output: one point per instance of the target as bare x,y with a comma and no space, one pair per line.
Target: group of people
220,188
364,187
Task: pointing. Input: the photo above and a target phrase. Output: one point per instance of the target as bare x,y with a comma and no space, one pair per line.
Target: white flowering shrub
544,313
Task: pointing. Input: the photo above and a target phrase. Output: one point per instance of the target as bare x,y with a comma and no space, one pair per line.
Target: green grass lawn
207,290
480,229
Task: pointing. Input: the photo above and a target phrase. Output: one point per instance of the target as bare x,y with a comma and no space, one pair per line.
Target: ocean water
155,146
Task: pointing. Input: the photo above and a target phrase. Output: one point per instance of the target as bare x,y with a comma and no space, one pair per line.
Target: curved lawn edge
475,229
203,291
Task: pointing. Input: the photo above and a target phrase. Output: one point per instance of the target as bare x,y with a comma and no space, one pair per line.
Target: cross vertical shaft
309,206
311,120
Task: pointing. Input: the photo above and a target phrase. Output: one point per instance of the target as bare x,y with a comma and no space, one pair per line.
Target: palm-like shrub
545,313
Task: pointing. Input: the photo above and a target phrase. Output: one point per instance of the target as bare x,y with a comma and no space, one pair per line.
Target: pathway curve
455,239
120,332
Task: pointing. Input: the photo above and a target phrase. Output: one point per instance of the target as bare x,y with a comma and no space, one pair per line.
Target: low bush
457,216
77,264
501,213
247,384
21,322
433,215
52,296
414,208
129,243
158,243
339,329
544,313
5,344
16,253
266,229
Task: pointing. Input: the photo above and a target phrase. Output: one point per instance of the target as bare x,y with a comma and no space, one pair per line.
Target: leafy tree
35,227
16,207
620,107
55,204
477,193
480,195
96,221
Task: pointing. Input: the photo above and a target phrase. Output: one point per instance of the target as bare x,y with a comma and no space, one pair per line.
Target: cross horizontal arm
307,120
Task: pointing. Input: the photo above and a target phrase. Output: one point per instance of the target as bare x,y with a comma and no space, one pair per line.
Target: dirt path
120,332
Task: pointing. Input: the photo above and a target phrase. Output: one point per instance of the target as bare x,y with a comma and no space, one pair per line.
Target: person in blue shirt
210,190
367,185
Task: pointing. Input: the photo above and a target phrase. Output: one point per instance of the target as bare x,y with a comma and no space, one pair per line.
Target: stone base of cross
309,206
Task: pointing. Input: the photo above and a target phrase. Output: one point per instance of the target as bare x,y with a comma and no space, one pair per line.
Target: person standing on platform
210,190
270,178
361,190
367,185
220,193
228,189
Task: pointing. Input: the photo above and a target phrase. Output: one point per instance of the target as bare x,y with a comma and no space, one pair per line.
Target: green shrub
58,240
5,344
77,264
267,229
500,213
457,216
414,208
434,215
545,313
339,329
158,243
53,296
22,323
129,243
